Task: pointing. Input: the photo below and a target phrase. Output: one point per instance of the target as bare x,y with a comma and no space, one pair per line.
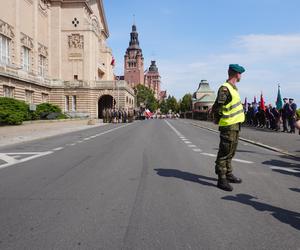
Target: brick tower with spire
134,60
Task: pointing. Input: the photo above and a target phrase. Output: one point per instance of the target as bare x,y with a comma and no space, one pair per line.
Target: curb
53,135
54,121
252,142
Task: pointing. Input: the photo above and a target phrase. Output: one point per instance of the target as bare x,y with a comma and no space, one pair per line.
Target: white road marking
207,154
236,160
286,169
197,150
11,158
192,146
174,129
33,155
186,141
86,139
243,161
7,158
58,149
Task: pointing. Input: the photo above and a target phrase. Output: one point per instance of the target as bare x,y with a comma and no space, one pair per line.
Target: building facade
134,72
55,51
134,61
204,97
152,79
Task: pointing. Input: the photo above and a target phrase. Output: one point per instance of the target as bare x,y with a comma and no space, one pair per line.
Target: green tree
186,103
172,104
163,107
146,96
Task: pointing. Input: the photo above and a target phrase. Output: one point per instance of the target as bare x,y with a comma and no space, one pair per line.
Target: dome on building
153,67
204,97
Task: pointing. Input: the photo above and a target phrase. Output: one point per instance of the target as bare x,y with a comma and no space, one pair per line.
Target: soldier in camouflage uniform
228,113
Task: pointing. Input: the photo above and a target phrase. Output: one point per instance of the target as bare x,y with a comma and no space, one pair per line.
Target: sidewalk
278,141
16,134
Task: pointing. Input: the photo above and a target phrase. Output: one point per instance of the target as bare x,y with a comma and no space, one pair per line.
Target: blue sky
193,40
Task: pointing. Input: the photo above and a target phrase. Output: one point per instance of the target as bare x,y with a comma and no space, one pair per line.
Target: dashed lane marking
58,149
207,154
193,147
197,150
243,161
286,169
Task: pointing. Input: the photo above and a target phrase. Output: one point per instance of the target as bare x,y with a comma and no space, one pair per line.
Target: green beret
237,68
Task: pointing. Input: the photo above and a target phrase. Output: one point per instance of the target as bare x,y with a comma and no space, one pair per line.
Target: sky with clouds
194,40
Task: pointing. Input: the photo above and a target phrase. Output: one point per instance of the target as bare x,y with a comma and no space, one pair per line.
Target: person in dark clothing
292,115
270,118
276,115
285,114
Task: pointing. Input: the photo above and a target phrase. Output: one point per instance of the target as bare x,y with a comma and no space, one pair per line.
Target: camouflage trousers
228,145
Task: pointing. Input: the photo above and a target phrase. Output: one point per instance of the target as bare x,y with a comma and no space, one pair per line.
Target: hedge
14,112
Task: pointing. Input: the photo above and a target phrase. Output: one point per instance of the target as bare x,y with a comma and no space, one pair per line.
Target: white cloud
268,59
270,45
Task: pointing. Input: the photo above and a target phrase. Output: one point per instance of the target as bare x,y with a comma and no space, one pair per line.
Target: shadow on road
295,189
283,215
175,173
285,164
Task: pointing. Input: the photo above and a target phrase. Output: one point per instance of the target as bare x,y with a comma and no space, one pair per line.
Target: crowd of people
117,116
270,117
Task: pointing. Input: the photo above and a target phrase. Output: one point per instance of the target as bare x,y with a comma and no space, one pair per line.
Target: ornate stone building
134,72
134,60
55,51
204,97
152,79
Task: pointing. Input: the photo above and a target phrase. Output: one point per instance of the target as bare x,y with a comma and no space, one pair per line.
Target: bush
44,110
62,116
13,112
47,108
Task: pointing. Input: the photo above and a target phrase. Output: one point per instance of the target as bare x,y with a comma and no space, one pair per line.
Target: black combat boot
232,179
224,184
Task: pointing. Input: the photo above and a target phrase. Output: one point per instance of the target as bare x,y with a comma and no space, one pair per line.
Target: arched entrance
105,102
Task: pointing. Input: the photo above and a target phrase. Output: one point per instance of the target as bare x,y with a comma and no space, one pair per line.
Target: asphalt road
146,185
